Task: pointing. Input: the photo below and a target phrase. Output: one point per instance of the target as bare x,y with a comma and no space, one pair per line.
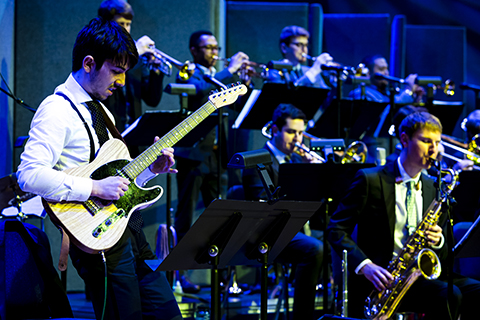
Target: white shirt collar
404,175
74,90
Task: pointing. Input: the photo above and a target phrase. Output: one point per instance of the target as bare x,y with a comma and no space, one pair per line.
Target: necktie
136,221
98,121
411,224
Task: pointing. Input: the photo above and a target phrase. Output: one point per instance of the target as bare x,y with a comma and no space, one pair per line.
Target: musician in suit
144,81
288,124
377,90
294,48
375,206
66,131
197,165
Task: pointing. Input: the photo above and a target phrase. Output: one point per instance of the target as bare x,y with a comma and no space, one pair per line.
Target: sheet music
246,108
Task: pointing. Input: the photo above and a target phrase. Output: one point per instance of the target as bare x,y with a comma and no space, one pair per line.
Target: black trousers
135,291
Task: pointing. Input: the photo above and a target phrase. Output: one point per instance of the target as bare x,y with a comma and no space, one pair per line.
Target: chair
32,287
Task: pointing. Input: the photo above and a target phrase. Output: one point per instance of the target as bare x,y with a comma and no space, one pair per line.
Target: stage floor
242,306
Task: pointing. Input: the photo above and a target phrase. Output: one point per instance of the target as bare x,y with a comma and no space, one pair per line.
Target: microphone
380,76
280,65
467,86
208,78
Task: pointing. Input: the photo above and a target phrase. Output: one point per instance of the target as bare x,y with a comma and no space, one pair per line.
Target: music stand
448,112
233,232
159,122
332,179
260,105
467,195
356,116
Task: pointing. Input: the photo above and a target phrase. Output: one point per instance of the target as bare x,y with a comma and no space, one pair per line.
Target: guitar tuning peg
213,92
238,83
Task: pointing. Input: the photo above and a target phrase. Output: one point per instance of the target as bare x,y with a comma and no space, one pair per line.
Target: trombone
472,150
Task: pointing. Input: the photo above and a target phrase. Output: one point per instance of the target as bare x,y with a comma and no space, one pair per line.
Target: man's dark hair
420,120
285,111
195,37
472,125
369,61
290,32
110,8
104,40
402,113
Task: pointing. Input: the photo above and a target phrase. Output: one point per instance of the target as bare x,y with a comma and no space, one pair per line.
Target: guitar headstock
227,96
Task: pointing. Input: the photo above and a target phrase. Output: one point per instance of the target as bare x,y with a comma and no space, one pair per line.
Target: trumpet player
384,205
294,48
143,82
198,165
288,124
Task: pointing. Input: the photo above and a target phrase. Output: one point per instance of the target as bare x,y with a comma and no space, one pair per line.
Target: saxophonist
385,204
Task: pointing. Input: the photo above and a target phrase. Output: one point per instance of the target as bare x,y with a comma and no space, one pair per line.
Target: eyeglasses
211,48
300,45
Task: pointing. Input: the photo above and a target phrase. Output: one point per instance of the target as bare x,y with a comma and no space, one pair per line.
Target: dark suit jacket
370,206
141,84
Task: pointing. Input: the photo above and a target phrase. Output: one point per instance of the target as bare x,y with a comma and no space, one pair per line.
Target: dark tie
411,209
98,121
136,221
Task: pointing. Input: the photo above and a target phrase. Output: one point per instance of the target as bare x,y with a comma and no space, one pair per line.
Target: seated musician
377,90
198,165
143,82
294,48
66,132
304,251
384,205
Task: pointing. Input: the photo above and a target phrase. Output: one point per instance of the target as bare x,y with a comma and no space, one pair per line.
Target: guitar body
96,225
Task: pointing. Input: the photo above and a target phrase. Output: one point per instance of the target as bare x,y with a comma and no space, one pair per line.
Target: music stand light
259,159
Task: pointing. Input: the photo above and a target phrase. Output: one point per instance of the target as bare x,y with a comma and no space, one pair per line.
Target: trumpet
186,69
267,132
248,69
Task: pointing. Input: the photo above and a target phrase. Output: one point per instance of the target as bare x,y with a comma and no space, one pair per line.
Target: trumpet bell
474,147
356,152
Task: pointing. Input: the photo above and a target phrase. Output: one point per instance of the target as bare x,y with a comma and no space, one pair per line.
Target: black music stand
467,196
160,122
448,112
260,105
357,117
233,232
332,181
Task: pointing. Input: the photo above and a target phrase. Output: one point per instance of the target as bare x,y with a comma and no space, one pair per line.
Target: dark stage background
428,37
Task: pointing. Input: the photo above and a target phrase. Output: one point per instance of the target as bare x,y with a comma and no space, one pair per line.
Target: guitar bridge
108,223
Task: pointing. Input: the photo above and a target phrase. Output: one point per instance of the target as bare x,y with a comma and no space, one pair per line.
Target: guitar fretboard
140,163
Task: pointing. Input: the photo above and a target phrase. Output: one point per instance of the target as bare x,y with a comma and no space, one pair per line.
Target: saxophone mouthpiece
434,163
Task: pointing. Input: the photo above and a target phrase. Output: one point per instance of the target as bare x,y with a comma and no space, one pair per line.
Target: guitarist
63,134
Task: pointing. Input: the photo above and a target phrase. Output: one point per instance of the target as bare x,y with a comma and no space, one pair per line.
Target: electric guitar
96,225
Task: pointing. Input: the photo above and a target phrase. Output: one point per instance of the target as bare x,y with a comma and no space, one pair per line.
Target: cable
105,296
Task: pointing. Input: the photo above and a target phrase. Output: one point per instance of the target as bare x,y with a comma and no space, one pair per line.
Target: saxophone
414,260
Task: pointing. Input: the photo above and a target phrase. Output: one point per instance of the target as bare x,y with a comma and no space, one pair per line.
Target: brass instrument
414,260
186,69
472,150
248,69
356,152
448,87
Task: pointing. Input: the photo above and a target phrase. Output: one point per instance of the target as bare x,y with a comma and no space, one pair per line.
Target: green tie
411,224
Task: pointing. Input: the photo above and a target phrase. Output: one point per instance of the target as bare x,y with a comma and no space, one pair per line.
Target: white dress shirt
58,140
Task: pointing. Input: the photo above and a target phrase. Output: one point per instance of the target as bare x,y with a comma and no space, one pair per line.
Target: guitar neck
144,160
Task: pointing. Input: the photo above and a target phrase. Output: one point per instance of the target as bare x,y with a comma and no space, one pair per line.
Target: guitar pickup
108,223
